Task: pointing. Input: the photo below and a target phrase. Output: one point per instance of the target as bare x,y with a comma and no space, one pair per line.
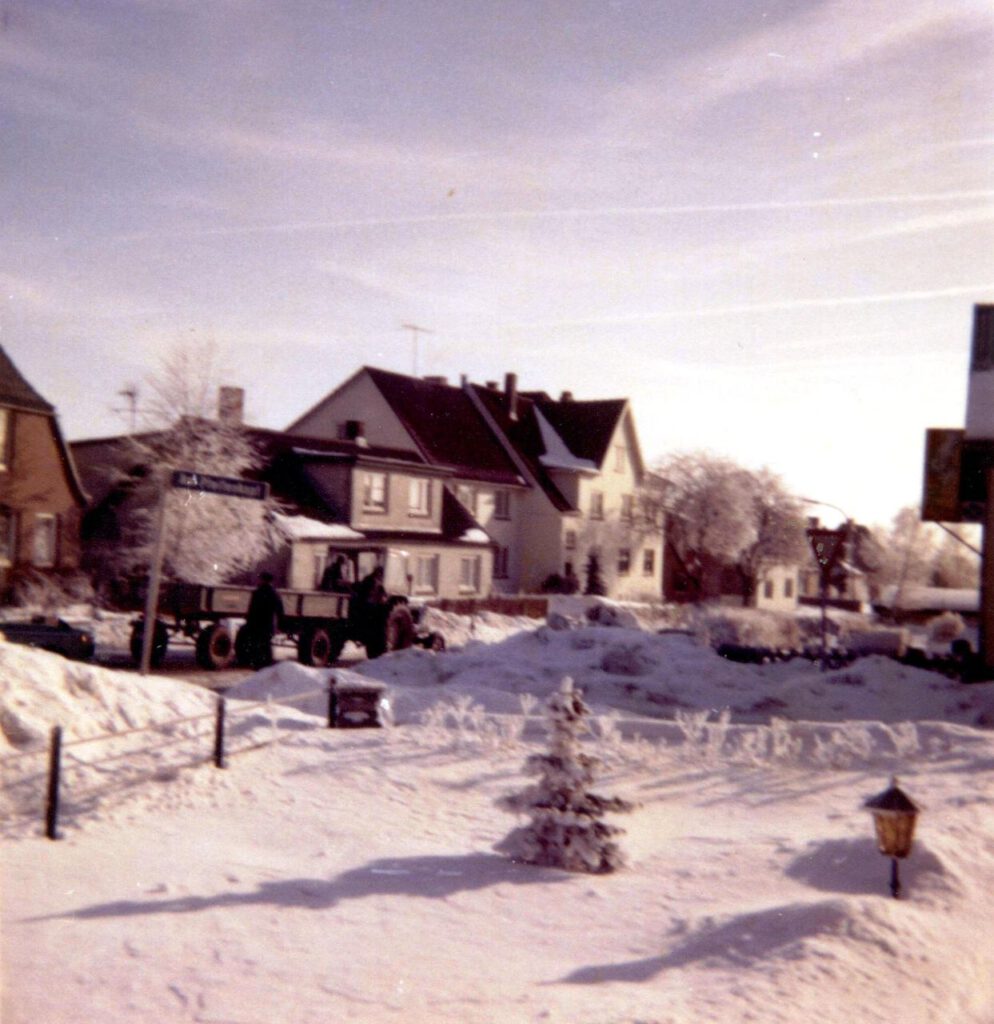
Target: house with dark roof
41,497
554,482
333,496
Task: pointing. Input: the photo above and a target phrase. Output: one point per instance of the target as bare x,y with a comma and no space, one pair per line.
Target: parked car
51,634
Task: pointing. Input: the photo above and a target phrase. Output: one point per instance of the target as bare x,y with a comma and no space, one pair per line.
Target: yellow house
552,482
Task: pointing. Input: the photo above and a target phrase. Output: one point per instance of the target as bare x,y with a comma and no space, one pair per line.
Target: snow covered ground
332,875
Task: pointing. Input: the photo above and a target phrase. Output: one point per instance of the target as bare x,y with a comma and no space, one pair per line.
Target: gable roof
446,426
16,391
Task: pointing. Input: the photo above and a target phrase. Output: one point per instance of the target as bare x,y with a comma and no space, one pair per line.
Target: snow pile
351,874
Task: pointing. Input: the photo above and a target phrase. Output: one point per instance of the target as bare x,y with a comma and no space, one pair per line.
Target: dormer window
419,497
374,492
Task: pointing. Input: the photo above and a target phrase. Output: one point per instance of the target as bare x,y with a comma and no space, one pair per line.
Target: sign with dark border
228,486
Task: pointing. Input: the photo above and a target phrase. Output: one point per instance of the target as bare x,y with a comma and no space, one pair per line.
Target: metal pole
219,735
824,619
895,879
332,703
52,804
154,579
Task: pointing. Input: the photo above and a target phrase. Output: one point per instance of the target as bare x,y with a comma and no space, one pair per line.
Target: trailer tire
215,648
160,641
319,646
398,633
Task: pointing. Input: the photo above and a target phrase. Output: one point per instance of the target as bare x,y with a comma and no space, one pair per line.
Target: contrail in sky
576,213
758,307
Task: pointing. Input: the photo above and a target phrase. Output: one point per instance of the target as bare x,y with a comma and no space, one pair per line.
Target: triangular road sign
827,546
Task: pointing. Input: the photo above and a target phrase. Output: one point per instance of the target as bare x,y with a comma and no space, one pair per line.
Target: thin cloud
788,305
572,213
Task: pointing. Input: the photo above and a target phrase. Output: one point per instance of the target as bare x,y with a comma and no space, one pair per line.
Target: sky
766,224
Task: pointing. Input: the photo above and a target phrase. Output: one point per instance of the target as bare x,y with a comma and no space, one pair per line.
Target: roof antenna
130,394
415,331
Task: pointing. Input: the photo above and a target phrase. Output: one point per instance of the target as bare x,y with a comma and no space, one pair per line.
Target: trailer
319,623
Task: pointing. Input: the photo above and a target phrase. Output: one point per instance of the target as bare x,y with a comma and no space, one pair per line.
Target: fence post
52,804
219,735
332,702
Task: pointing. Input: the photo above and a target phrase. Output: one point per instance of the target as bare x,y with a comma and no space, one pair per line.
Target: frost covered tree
567,829
209,538
720,512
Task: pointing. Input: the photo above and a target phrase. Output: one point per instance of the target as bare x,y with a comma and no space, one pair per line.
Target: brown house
41,499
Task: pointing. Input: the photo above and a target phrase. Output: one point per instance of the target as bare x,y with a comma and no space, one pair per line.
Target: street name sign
228,486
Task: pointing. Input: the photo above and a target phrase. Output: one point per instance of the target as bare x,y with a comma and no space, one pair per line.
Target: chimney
433,379
231,406
511,394
491,385
566,396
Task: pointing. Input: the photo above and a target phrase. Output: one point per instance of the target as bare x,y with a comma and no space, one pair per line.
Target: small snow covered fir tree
567,829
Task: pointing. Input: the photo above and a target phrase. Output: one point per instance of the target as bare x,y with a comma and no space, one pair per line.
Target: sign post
227,486
827,546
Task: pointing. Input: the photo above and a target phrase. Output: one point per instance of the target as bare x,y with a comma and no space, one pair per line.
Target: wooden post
332,703
52,804
219,735
987,584
154,578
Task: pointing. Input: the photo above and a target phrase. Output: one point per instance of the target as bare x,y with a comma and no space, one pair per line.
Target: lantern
894,816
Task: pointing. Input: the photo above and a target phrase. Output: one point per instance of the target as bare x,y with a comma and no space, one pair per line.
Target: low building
332,496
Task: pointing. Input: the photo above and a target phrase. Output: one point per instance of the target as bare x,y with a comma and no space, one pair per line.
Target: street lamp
894,817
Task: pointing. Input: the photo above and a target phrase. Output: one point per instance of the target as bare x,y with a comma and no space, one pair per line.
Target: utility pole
415,331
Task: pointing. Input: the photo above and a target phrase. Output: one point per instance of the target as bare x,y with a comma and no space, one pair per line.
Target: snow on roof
305,528
557,455
475,536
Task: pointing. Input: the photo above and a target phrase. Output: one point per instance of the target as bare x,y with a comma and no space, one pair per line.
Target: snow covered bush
567,829
747,627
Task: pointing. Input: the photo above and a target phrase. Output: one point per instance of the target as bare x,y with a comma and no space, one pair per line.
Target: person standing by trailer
264,618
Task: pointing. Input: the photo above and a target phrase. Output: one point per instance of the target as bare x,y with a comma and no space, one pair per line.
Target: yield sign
827,546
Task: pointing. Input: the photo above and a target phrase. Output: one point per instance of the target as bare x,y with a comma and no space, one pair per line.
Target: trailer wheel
399,629
160,641
319,646
215,648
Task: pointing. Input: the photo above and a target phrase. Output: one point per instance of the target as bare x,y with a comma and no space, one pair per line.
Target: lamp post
894,817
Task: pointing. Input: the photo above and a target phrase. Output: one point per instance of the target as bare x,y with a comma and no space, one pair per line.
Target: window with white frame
43,540
648,562
419,497
502,504
470,567
374,492
624,561
596,504
426,574
627,507
8,535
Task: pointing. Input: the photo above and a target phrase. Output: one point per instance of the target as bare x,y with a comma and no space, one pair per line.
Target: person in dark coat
264,618
336,576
